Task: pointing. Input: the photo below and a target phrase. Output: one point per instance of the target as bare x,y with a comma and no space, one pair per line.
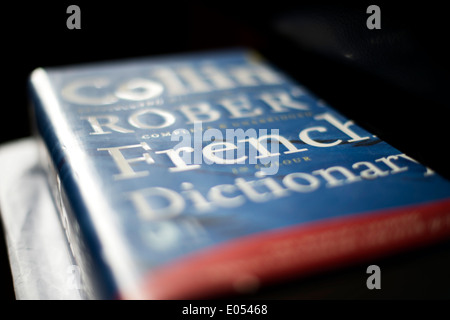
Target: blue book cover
196,175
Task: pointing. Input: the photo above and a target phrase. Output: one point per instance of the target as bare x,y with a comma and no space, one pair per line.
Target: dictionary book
198,175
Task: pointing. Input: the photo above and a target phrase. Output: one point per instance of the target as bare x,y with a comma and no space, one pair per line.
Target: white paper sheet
41,262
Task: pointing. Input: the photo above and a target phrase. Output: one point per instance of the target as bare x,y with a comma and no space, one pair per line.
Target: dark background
393,81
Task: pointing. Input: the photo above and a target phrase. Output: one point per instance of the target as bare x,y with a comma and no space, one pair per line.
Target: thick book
197,175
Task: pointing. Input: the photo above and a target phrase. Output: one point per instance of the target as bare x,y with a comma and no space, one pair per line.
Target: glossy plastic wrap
154,209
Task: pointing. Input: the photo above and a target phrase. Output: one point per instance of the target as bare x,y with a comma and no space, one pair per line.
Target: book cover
197,175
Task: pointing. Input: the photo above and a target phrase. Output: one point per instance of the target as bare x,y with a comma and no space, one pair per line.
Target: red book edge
243,264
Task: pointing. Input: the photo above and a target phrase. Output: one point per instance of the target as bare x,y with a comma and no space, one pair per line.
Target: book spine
95,276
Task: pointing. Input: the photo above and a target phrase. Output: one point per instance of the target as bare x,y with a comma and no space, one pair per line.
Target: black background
393,81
